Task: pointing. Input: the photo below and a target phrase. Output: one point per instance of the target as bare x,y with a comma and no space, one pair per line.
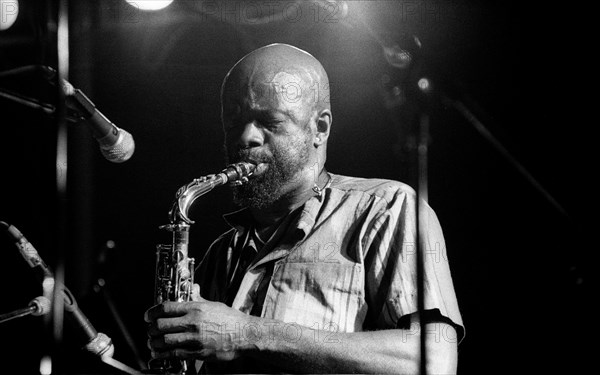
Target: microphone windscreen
121,150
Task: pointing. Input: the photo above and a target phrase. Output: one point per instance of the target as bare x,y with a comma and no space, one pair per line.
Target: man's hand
196,293
200,329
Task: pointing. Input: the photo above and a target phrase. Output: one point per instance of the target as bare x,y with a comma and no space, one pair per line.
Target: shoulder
388,190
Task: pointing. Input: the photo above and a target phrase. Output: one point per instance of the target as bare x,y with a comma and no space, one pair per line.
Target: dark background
520,266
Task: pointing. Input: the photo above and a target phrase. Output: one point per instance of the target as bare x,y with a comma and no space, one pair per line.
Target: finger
175,340
176,353
168,325
149,313
165,309
196,293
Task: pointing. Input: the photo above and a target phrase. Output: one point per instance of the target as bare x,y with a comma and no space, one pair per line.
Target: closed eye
271,124
265,119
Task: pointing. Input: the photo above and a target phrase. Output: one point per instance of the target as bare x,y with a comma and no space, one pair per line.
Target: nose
251,136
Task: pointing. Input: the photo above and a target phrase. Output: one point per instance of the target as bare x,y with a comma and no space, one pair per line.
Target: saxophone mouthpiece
238,173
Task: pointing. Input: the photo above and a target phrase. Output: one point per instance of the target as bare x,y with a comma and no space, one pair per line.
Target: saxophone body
174,273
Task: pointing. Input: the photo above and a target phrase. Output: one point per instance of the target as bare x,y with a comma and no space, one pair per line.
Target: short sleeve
391,266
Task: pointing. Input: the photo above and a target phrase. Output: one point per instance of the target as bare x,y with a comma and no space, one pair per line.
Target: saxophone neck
187,195
237,173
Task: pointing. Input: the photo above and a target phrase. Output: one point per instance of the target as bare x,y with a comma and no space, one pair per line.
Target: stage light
9,10
46,365
424,84
150,4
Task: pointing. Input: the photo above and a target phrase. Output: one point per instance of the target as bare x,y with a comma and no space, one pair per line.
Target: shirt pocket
326,296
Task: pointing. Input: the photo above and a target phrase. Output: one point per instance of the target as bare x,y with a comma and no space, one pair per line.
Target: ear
323,127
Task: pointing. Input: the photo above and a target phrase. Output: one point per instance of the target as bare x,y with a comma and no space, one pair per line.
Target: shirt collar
238,219
242,218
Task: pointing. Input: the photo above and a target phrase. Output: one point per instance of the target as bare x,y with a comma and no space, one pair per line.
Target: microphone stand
424,90
56,322
46,74
422,199
430,88
100,287
417,90
421,88
408,66
468,115
17,313
38,306
27,101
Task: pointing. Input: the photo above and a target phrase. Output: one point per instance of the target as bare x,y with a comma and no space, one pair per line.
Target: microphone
38,306
116,145
97,343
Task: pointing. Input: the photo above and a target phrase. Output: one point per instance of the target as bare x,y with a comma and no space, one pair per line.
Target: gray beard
268,188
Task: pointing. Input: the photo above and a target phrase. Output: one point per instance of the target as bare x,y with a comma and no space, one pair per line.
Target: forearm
308,350
302,349
215,332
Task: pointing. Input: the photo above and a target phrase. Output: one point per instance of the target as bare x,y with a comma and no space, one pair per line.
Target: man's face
269,123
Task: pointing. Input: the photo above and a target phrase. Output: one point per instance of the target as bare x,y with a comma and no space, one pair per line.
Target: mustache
249,155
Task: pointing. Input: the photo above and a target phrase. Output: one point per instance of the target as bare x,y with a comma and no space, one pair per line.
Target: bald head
279,72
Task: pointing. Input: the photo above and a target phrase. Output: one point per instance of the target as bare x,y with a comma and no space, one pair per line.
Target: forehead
269,87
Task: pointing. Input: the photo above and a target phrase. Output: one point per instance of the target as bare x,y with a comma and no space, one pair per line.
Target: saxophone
174,269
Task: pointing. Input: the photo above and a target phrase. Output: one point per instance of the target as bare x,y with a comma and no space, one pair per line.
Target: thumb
196,293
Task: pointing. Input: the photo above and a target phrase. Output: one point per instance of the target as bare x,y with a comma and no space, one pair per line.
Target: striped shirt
344,262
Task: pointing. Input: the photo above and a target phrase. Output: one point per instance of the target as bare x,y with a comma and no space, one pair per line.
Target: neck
272,215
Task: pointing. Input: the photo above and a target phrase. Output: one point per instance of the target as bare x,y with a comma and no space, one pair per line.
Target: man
318,273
